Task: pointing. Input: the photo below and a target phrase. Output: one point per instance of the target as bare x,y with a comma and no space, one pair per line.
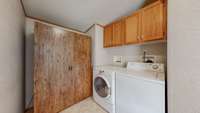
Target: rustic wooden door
53,89
118,33
152,22
133,25
82,67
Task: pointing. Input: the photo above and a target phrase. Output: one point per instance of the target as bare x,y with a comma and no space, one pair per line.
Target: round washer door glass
101,87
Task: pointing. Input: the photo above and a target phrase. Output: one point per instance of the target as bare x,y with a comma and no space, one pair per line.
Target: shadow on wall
147,2
29,70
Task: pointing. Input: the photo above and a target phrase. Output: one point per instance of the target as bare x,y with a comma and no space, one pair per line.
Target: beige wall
11,56
184,56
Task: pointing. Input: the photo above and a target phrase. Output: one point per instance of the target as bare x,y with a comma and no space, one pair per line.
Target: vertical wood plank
82,68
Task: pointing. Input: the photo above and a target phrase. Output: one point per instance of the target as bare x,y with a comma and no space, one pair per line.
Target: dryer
141,89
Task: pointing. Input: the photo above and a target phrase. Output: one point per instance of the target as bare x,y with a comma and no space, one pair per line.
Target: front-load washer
104,88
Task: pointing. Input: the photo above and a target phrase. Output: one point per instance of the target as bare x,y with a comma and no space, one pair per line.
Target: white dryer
104,88
141,89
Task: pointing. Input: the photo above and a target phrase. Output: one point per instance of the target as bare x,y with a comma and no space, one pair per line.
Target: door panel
52,79
62,69
66,80
82,67
152,22
81,48
133,24
83,85
108,35
165,20
118,33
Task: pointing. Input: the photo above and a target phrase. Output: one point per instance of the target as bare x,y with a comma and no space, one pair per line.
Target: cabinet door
118,33
82,68
133,24
52,79
152,22
165,21
108,35
64,73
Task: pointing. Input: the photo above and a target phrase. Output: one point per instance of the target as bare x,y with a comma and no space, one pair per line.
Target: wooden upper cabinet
164,1
165,20
132,30
108,34
152,22
146,24
118,33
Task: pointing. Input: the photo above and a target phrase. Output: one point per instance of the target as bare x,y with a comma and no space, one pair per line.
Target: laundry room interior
123,55
99,56
117,58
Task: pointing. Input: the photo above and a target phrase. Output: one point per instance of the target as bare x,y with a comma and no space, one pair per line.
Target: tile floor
85,106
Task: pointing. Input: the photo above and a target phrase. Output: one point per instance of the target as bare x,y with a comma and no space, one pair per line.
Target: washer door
101,87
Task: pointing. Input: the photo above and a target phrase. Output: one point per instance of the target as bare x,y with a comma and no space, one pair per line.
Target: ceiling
80,14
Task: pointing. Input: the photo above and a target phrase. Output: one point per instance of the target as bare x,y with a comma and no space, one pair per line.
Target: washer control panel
157,67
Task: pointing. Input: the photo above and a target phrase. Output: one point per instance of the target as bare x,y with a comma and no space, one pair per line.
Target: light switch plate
118,60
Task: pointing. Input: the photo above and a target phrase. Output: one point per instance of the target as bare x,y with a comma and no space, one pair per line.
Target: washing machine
104,88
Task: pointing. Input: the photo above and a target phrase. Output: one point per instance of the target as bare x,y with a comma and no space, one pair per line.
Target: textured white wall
102,56
11,57
184,56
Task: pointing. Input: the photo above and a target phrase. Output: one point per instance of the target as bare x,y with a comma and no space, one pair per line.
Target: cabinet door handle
138,38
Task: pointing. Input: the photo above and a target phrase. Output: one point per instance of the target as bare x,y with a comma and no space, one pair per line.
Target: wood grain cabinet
108,35
146,24
114,34
62,68
133,25
165,20
152,18
118,33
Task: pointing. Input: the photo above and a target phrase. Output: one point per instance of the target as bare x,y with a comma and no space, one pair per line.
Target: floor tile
86,106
